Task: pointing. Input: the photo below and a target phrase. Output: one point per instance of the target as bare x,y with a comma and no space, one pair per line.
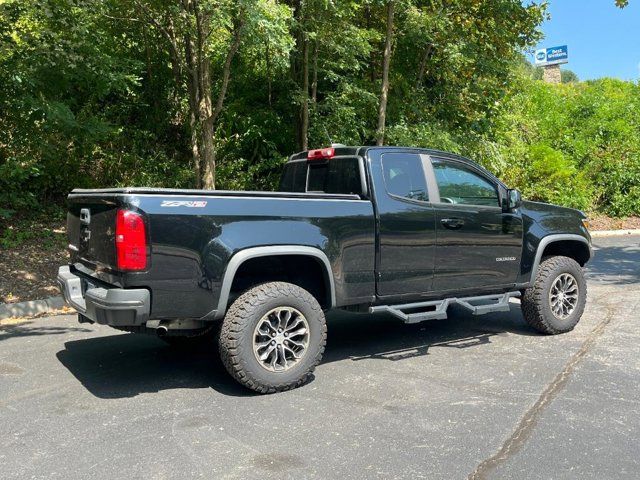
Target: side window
293,177
404,176
460,185
340,175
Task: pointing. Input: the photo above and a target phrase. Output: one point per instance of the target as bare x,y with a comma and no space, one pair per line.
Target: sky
603,40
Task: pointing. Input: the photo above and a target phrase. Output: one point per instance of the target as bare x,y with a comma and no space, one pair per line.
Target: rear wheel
556,300
272,337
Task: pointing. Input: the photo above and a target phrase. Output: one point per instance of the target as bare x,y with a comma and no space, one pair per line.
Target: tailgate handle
85,216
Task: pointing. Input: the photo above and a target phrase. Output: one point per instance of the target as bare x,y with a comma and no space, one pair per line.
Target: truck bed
192,234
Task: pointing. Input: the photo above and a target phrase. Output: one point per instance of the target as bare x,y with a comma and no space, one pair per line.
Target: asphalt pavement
468,397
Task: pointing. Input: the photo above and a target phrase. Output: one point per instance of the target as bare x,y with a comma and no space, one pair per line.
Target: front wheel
556,300
272,337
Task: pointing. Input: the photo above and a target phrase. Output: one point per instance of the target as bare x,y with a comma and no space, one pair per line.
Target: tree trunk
211,115
205,114
195,149
268,64
208,155
372,55
193,90
382,111
176,63
304,108
423,65
297,67
314,82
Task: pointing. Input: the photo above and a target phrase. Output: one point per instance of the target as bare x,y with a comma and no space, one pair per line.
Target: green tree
216,93
568,76
199,33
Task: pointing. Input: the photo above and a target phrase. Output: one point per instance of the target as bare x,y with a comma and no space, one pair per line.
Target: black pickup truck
402,230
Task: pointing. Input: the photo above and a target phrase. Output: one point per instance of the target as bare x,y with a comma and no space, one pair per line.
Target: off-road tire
236,336
536,307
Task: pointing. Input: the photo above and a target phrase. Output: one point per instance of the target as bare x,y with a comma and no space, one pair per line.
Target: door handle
452,223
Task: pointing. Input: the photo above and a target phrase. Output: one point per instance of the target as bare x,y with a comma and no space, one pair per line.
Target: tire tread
238,318
534,297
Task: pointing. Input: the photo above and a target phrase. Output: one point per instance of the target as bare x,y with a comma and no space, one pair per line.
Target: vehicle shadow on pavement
359,337
25,329
122,366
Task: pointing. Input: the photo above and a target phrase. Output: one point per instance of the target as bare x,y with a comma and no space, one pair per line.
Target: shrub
552,177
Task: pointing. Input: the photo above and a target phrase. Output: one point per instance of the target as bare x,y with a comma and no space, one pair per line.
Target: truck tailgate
91,230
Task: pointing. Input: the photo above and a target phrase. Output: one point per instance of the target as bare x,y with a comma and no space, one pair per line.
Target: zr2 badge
183,203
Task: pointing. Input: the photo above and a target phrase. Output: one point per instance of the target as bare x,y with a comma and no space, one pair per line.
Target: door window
460,185
404,176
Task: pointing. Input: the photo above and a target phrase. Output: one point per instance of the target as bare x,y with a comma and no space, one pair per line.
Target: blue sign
552,56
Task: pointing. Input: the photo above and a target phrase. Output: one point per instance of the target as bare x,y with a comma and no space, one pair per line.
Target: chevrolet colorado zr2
406,231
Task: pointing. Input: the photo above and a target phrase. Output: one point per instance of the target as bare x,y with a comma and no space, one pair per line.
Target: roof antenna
327,134
334,145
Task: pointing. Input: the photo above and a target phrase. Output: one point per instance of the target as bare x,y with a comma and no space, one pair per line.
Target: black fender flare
243,255
549,239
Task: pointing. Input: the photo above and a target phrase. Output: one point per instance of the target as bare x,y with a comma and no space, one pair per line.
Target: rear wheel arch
311,260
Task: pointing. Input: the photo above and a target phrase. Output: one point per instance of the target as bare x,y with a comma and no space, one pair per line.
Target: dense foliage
203,92
574,144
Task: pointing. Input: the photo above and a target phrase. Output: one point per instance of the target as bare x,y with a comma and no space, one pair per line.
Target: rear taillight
131,241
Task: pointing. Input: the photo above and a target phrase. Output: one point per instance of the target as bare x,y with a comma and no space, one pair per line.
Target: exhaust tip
161,331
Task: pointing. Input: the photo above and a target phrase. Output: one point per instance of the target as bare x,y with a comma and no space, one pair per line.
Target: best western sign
552,56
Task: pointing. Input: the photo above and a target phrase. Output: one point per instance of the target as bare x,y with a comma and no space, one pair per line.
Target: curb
30,308
614,233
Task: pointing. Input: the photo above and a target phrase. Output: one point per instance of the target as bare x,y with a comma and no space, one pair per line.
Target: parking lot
479,397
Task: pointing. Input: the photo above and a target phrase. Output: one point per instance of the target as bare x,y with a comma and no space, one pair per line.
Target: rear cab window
336,175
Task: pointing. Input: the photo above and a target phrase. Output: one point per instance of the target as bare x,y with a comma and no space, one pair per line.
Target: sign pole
551,73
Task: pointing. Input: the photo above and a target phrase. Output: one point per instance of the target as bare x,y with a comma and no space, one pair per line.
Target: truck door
478,245
406,248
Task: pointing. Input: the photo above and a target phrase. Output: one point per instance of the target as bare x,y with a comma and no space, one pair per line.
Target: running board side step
438,308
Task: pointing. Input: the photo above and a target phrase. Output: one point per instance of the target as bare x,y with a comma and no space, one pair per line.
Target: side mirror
514,199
